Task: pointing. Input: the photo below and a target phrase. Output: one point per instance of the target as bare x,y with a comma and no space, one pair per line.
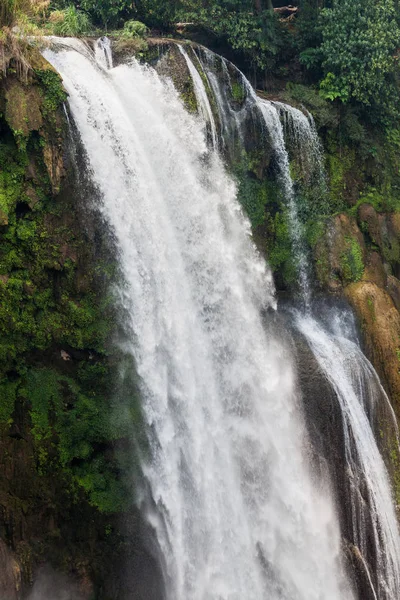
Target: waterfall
300,131
350,374
103,53
274,126
355,381
235,510
232,119
265,114
201,96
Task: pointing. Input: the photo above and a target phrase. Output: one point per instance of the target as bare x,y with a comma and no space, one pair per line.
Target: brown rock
374,270
10,575
380,324
368,215
33,197
333,252
393,287
53,159
23,107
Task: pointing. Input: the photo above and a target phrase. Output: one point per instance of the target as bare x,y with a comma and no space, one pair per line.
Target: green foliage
134,29
352,263
324,114
8,392
70,22
44,309
107,13
253,196
10,9
360,38
255,34
71,421
280,251
157,13
54,93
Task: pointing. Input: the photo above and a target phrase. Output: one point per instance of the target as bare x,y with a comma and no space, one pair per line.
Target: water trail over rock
235,511
374,523
201,96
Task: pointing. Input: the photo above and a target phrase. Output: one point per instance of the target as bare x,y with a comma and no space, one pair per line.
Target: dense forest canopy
347,49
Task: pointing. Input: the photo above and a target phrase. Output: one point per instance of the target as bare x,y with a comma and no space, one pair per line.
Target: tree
106,12
359,40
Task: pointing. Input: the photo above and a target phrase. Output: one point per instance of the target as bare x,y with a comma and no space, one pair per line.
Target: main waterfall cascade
235,509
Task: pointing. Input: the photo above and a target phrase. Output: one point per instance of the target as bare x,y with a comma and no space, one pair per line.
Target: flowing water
374,522
235,511
267,115
201,96
274,126
301,133
375,529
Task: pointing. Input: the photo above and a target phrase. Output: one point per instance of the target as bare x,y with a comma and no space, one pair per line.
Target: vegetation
56,364
52,314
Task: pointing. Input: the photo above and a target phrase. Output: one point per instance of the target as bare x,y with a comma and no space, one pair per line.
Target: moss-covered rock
380,324
339,253
63,441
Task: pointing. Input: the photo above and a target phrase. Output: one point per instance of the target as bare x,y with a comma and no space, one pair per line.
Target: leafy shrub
10,9
70,22
352,262
134,29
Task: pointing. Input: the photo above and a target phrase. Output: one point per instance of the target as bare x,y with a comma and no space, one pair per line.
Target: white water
350,373
274,126
304,134
301,131
201,97
237,516
231,121
357,387
103,53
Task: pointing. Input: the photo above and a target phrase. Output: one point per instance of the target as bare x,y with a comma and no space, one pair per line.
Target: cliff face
65,492
62,494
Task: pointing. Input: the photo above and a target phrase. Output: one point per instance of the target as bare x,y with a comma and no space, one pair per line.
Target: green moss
253,196
53,92
280,252
8,392
71,421
340,164
352,263
314,232
371,309
238,92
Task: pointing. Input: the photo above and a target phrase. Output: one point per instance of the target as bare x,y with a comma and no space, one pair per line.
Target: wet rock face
51,585
380,325
325,427
340,254
383,230
10,575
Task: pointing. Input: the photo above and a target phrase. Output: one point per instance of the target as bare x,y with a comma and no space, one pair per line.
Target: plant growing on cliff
352,263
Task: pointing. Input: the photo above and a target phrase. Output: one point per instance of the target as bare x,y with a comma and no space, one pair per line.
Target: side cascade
375,530
201,97
234,507
265,116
